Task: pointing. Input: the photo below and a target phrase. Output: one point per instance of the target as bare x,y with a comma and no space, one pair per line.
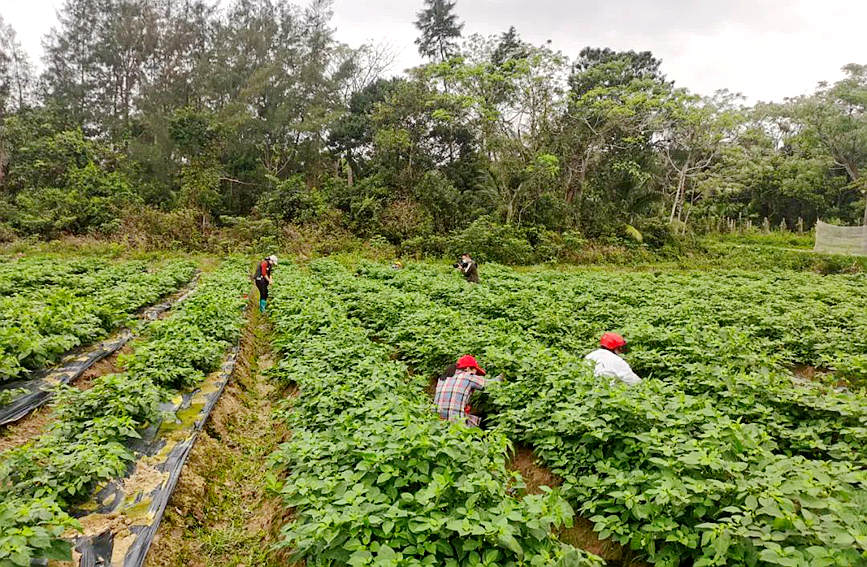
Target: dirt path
220,513
581,534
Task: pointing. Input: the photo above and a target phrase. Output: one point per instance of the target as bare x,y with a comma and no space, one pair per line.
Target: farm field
50,306
231,318
745,444
719,457
46,482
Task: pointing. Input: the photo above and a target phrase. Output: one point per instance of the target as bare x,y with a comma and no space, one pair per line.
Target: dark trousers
263,288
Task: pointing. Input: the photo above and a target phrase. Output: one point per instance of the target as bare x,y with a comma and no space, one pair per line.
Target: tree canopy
252,108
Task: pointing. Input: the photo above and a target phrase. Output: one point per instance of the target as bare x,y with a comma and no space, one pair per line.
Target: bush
489,241
434,246
404,219
259,234
657,233
318,239
7,233
181,229
291,200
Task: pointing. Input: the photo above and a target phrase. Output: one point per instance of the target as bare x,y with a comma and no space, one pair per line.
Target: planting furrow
221,512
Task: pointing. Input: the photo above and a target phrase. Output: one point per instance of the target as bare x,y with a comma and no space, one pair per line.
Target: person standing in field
469,268
609,363
453,392
263,279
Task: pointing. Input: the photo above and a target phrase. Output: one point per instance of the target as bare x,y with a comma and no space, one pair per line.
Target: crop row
88,442
678,319
39,325
743,468
373,476
23,275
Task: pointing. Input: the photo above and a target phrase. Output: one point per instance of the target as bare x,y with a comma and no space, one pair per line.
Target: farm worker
453,392
609,364
469,268
263,279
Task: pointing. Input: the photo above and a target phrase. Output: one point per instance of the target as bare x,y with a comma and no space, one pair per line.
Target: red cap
612,341
469,361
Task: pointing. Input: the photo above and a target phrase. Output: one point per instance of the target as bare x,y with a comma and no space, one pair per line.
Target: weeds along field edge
90,440
715,464
372,475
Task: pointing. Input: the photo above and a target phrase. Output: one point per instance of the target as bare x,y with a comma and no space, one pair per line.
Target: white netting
832,239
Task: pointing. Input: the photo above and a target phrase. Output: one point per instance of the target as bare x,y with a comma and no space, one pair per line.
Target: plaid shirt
453,395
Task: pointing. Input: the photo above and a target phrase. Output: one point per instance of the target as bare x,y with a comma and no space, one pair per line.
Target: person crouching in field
469,268
453,392
263,279
609,364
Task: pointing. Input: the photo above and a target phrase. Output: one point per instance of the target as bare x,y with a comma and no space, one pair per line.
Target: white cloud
31,19
766,49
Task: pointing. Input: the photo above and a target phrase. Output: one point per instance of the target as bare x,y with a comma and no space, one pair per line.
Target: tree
837,116
439,29
507,108
16,72
509,48
175,76
16,78
351,135
777,173
606,135
607,68
696,132
96,60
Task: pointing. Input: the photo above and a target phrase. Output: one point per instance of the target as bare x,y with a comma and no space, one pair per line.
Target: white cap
272,259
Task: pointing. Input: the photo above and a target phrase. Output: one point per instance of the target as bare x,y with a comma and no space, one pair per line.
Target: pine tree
439,29
16,72
509,48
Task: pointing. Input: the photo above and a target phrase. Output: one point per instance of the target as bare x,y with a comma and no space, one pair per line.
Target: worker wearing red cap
609,364
453,392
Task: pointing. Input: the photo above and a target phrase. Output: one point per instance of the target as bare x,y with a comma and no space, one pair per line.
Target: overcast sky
765,49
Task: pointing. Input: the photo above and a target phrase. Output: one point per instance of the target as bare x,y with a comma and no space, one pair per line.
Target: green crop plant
42,321
719,459
373,476
88,443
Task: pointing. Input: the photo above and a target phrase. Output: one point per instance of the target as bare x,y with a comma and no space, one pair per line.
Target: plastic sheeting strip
127,512
40,388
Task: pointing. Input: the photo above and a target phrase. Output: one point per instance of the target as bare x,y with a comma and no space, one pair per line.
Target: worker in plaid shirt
453,392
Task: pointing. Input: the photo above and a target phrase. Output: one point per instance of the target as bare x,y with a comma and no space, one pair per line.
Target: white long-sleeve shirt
609,365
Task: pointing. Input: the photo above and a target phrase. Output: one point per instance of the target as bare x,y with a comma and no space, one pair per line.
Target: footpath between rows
220,512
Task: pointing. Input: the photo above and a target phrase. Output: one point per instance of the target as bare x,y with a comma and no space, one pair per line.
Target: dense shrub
151,228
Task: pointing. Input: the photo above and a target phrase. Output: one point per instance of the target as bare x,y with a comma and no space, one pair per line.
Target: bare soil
220,512
820,375
26,429
107,365
535,476
581,533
